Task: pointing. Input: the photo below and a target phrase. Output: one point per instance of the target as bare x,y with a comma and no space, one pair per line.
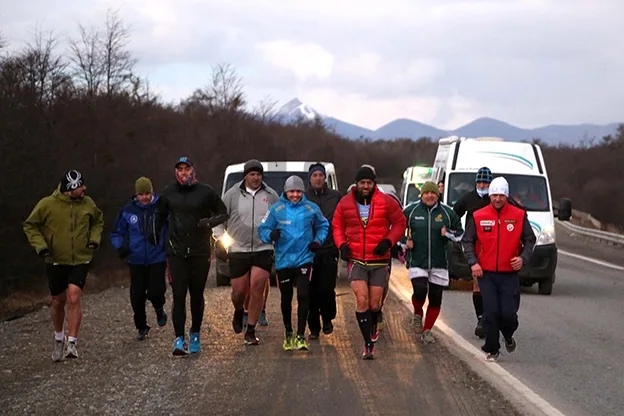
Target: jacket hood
62,197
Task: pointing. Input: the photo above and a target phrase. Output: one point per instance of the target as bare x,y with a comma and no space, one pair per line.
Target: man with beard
366,224
192,209
323,284
64,229
250,259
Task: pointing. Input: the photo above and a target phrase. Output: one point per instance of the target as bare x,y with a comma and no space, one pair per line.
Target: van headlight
547,236
226,240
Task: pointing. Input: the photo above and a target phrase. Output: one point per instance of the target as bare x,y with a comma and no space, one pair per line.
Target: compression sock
418,306
365,321
430,318
477,301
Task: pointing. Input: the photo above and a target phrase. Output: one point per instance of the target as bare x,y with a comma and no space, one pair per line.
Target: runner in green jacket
430,225
64,229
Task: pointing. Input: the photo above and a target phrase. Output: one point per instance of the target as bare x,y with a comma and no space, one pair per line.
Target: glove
44,253
314,245
345,252
204,223
93,245
220,252
275,235
123,253
383,247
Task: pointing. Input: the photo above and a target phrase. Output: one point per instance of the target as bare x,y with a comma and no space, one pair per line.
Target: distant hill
485,126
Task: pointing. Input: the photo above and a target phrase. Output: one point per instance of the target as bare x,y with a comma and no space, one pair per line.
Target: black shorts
61,275
241,263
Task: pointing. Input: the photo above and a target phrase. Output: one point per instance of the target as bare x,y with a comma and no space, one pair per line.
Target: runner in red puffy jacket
366,224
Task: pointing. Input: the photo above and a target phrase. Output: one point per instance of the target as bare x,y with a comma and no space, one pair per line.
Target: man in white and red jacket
498,241
366,224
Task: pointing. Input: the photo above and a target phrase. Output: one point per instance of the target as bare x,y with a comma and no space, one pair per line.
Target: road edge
525,400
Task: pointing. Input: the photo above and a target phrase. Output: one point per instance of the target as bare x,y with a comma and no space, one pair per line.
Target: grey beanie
294,183
253,165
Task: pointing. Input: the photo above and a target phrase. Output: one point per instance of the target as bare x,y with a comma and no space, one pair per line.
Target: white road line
491,371
591,260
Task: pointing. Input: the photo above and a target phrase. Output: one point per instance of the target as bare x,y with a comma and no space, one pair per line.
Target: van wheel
545,287
223,280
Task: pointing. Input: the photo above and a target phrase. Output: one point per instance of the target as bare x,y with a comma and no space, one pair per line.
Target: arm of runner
97,226
398,223
161,213
338,226
32,227
528,240
268,224
455,232
118,235
321,226
218,210
468,242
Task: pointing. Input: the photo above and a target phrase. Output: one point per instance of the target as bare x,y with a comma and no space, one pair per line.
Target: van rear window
530,191
274,179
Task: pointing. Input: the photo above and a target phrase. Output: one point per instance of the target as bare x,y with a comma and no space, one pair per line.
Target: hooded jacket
134,225
300,224
65,227
327,200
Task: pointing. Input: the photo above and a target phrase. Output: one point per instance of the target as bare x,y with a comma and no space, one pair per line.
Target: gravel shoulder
118,375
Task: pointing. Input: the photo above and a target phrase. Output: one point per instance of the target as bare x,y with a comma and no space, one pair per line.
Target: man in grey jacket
249,258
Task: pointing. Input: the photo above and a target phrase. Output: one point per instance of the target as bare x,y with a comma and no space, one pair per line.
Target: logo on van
513,157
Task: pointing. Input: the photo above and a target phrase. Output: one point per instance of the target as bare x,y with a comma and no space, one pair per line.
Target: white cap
499,186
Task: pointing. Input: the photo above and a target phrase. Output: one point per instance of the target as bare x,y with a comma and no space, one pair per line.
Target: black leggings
146,282
188,274
286,279
420,291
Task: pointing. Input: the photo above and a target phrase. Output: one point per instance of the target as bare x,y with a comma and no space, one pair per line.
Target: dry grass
26,300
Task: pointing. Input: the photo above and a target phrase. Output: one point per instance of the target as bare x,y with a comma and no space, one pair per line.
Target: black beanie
253,165
365,173
71,180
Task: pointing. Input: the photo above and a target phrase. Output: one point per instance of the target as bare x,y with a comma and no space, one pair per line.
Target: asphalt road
118,375
571,343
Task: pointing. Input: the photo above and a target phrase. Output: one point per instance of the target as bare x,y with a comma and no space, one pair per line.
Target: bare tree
118,63
87,65
266,109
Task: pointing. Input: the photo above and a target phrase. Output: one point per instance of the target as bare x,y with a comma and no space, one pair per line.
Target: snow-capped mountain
295,109
406,128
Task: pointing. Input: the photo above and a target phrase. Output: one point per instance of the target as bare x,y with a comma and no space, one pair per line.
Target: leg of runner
420,287
57,310
198,275
179,278
76,283
314,314
139,279
156,290
263,321
257,281
377,285
491,314
285,282
433,311
240,267
303,275
477,301
328,291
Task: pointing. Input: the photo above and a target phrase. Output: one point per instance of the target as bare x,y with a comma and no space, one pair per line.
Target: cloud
445,62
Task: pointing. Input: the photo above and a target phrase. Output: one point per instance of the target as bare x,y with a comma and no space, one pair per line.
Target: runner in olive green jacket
430,226
65,228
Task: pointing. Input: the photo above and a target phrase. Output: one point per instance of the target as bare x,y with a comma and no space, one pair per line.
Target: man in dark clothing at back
323,284
192,209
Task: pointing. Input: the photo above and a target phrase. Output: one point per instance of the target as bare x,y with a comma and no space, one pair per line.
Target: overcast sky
442,62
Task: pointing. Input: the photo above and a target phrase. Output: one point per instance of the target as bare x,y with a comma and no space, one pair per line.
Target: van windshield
274,179
413,194
530,191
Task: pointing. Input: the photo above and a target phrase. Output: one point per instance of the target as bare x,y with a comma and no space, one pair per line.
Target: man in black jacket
323,284
192,209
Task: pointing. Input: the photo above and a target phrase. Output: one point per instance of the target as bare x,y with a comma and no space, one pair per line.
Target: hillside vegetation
84,107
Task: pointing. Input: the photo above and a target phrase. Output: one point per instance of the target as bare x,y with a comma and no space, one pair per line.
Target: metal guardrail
597,234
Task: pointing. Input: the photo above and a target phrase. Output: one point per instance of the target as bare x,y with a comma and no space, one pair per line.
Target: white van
413,179
457,161
275,175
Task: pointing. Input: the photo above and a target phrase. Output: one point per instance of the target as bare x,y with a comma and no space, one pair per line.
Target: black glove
123,252
204,223
220,252
93,245
275,235
44,253
383,247
345,252
314,245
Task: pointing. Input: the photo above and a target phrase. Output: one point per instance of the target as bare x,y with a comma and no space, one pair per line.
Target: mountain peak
296,109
